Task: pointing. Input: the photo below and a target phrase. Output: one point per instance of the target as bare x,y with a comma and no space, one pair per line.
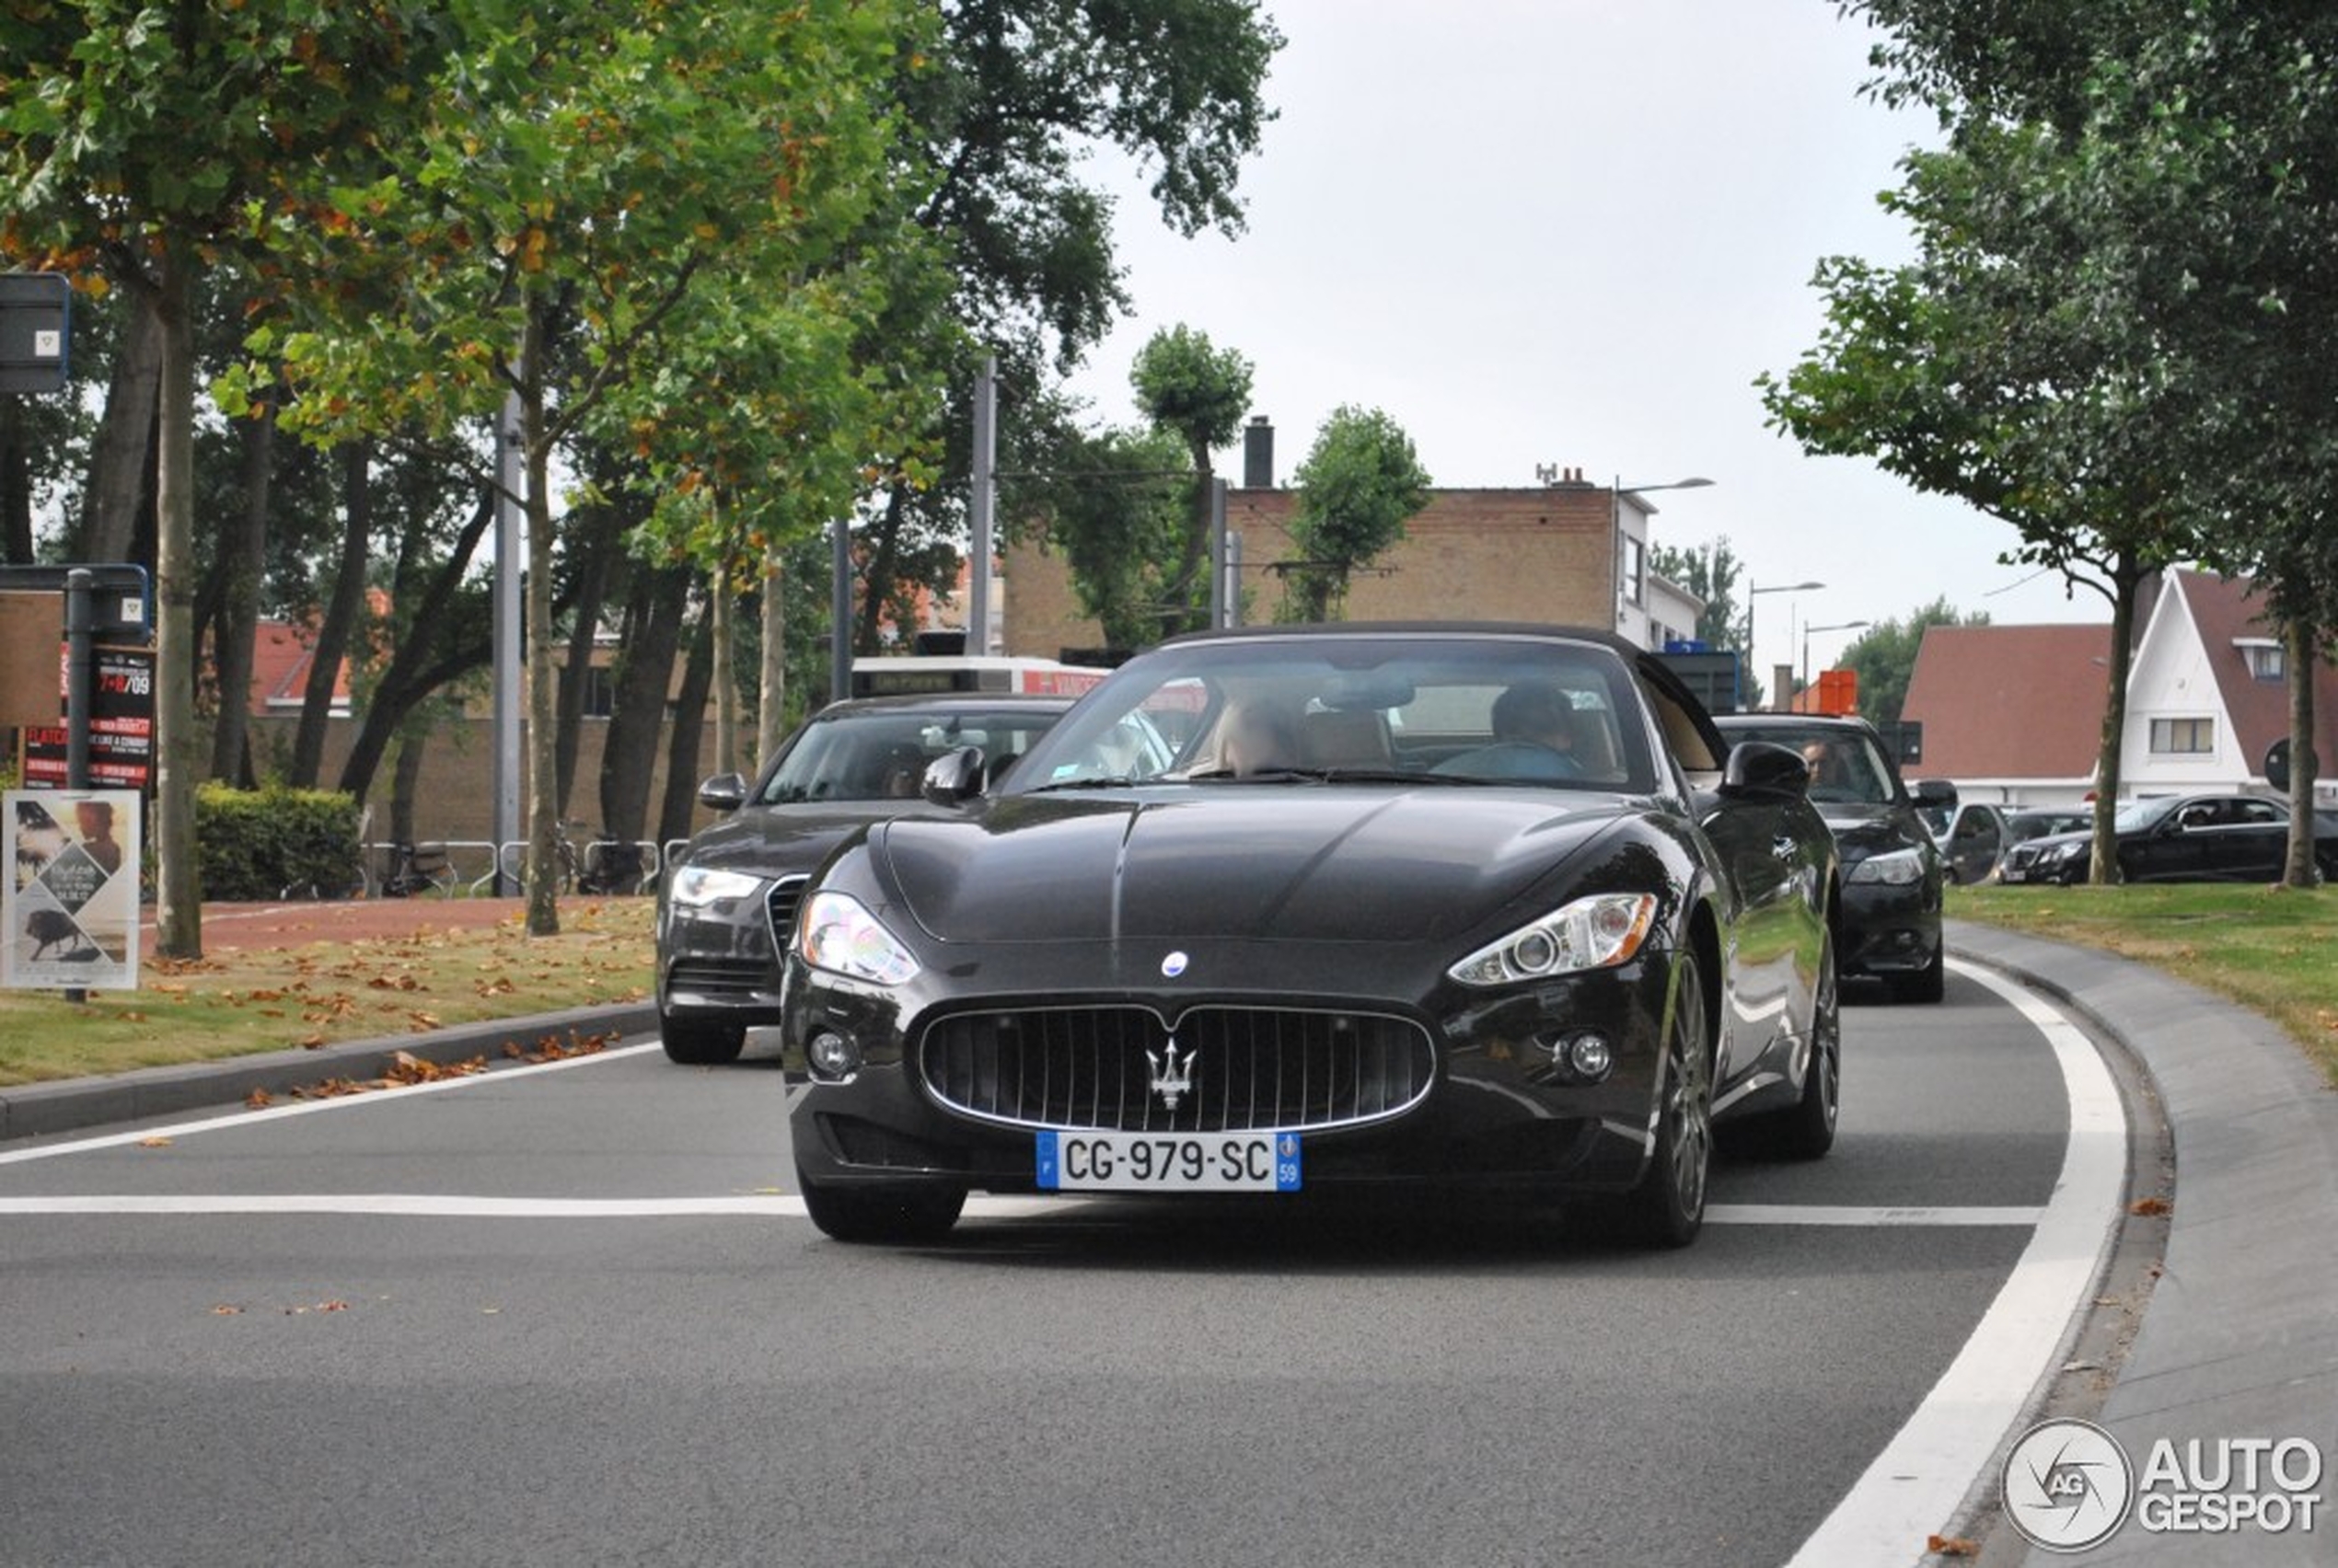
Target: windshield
879,754
1847,767
1433,709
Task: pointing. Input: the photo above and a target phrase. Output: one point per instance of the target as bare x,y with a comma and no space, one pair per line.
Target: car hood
1239,861
1864,830
786,841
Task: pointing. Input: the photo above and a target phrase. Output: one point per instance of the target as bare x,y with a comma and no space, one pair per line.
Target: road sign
122,597
36,331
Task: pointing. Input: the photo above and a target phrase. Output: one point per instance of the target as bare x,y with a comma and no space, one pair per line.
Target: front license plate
1169,1162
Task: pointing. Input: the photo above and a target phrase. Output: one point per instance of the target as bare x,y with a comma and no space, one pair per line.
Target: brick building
1568,552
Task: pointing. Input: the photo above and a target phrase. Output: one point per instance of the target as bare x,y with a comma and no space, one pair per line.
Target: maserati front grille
1222,1069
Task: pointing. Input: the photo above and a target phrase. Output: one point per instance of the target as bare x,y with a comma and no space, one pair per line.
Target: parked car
1356,929
733,890
1976,839
2178,838
1891,872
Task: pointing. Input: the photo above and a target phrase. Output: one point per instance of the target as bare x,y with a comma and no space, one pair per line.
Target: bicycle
605,866
418,869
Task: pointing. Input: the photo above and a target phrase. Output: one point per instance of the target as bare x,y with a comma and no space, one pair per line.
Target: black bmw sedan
1891,868
734,886
1291,909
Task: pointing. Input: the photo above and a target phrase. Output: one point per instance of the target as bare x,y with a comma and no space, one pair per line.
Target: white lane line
310,1107
1823,1213
1920,1481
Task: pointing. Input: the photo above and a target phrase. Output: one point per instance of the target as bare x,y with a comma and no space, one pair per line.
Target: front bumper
720,961
1492,1110
1889,929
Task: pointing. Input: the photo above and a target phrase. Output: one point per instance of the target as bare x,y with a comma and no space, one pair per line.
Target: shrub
253,844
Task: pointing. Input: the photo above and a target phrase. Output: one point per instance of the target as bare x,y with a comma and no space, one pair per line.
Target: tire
905,1213
1806,1129
1926,985
701,1045
1667,1208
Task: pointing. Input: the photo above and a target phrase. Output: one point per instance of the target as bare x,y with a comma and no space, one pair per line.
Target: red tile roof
2010,701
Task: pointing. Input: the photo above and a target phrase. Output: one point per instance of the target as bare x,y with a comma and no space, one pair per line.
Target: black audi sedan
734,887
2224,837
1286,909
1891,870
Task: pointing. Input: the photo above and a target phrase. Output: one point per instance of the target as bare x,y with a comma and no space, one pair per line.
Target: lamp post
1751,594
1838,626
1615,530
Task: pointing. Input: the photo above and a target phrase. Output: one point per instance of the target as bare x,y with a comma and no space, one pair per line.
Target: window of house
2185,737
600,692
1635,570
2266,661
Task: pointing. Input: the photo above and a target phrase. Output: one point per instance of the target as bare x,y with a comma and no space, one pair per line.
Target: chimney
1258,454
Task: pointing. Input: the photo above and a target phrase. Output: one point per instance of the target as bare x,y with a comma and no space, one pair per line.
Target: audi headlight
698,886
837,934
1597,932
1899,868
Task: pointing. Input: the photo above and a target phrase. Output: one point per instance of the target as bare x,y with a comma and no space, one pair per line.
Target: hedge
255,843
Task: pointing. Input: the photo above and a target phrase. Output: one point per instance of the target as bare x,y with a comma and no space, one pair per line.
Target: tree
1885,657
1198,393
1116,509
132,143
584,186
1359,483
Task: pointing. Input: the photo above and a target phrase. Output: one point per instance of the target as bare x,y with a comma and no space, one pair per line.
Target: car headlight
1597,932
698,886
837,933
1896,868
2076,849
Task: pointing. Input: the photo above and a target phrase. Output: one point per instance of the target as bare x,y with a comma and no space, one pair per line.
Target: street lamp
1751,594
1627,581
1838,626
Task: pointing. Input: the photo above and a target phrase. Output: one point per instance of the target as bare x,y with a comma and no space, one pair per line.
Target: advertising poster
69,911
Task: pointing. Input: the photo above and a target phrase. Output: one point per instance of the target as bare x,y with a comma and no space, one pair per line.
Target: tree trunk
340,616
121,455
540,883
882,541
725,610
177,888
242,562
2302,651
644,670
2125,574
771,707
677,812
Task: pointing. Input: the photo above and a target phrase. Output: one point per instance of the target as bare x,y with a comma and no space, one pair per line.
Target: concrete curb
74,1103
2240,1337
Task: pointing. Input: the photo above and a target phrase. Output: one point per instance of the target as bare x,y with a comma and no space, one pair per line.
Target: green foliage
1116,512
1361,480
256,843
1885,657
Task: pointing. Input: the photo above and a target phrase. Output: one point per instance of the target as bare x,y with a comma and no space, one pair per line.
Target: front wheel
898,1213
1667,1208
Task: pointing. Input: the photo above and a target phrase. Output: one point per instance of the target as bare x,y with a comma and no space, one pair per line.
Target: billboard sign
69,909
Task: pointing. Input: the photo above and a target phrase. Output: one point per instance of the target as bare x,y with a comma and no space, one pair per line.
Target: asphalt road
573,1316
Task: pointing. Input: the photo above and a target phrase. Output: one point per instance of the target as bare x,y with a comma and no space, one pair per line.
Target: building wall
1544,555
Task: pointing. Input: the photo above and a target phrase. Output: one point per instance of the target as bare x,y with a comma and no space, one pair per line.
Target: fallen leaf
2150,1206
226,1310
1951,1546
258,1099
154,1143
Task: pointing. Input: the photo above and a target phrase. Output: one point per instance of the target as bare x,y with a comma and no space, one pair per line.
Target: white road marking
787,1205
311,1107
1920,1482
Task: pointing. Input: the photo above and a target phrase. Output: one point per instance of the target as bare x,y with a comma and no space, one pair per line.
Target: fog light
1590,1057
832,1057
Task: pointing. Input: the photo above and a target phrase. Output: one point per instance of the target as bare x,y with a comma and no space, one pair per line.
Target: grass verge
247,1001
2270,949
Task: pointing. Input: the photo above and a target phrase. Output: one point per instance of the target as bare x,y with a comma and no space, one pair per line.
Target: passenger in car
1536,715
1255,737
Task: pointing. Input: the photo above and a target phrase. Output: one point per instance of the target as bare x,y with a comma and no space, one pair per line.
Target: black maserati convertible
1297,909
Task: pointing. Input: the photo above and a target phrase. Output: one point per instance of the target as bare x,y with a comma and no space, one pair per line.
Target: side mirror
723,792
1759,767
953,777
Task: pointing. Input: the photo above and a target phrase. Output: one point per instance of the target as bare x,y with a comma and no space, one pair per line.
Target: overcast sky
1573,232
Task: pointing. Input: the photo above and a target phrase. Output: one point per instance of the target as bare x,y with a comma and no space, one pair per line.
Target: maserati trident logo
1171,1081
